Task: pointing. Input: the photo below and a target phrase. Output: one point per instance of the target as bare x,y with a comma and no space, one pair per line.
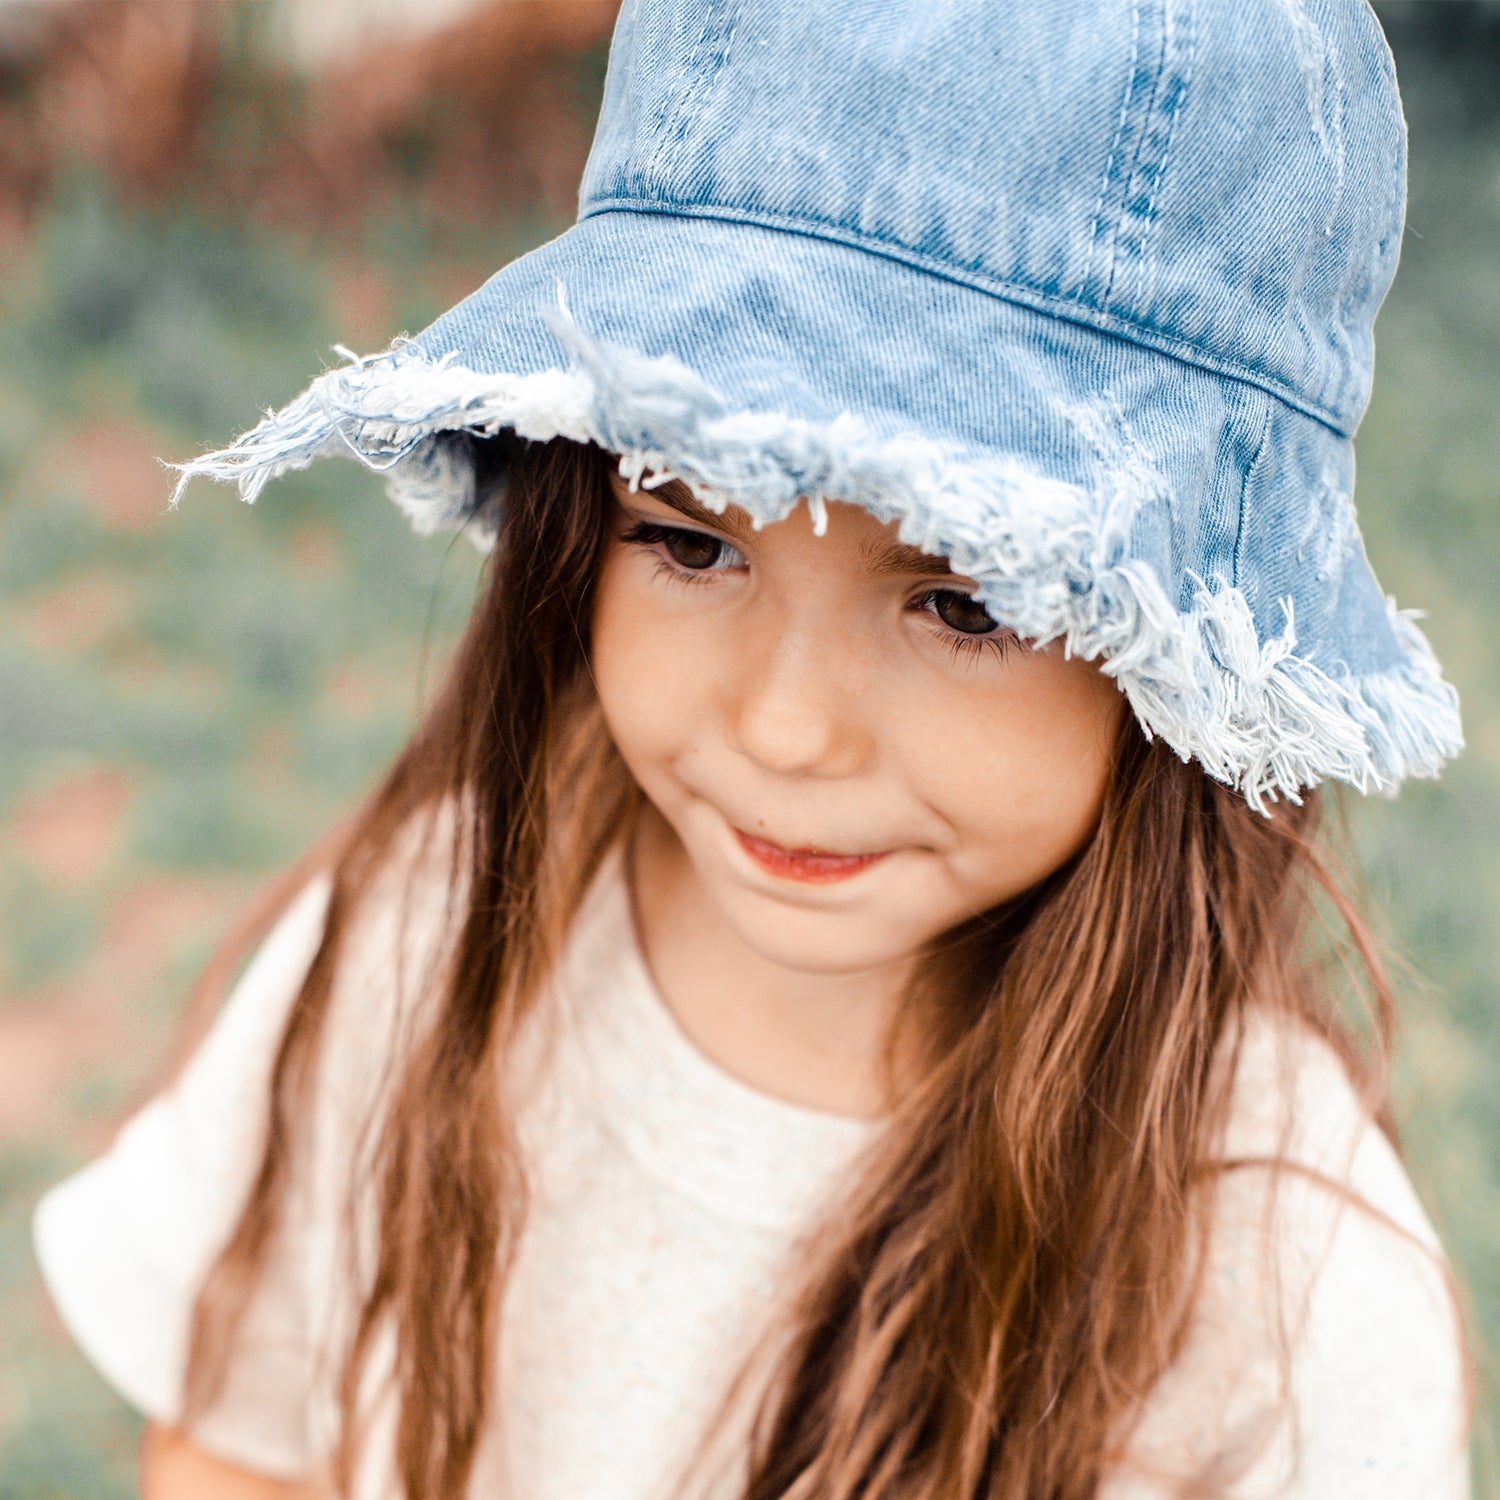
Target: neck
814,1039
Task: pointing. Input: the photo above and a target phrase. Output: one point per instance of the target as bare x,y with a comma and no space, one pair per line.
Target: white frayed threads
1052,560
382,409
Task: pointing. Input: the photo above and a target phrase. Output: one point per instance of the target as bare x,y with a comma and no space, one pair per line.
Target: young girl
829,1004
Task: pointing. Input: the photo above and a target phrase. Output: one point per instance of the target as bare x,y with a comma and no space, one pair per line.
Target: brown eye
962,612
692,549
689,551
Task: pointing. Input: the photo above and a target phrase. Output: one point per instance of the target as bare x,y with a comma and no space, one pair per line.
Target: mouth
810,866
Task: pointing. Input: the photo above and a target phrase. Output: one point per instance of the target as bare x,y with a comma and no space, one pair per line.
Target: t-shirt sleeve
125,1244
1326,1351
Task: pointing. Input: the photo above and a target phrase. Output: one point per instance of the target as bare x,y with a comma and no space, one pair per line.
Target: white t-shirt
666,1197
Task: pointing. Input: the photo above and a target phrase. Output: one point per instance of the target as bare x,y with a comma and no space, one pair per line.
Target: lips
811,866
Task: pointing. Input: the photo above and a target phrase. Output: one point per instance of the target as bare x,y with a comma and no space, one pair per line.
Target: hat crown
1222,180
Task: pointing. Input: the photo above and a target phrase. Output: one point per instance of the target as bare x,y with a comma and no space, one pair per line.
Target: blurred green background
196,203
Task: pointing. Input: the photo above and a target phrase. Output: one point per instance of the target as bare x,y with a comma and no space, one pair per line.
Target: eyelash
957,641
651,534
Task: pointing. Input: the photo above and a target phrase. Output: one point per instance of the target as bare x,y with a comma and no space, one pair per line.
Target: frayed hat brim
1063,513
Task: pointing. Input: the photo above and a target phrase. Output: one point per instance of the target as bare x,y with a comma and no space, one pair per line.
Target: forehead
881,550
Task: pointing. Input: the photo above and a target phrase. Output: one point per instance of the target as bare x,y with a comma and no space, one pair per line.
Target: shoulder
125,1243
404,923
390,968
182,1163
393,935
1326,1339
1299,1139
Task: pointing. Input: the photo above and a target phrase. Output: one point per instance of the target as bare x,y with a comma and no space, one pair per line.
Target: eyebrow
883,559
677,495
898,559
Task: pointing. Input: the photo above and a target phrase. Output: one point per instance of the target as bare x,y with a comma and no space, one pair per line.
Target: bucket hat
1079,293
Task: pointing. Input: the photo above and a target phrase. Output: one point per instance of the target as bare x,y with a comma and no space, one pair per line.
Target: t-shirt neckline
733,1148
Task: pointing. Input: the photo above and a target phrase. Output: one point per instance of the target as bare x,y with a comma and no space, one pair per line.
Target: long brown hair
1017,1267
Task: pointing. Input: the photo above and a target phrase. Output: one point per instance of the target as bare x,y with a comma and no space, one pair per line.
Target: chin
828,943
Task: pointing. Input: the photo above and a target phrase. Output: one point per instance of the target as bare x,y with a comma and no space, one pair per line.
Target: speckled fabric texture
668,1200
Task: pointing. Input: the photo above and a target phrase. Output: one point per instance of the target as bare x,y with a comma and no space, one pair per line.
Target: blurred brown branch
164,96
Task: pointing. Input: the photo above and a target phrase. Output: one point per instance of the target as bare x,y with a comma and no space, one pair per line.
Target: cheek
1037,743
623,656
648,684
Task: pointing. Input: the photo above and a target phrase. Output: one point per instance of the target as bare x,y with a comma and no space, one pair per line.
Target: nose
795,708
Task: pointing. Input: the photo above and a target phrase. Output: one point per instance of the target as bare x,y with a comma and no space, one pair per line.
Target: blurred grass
250,672
1429,499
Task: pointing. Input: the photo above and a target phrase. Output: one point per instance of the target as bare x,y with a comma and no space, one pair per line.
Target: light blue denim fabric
1080,292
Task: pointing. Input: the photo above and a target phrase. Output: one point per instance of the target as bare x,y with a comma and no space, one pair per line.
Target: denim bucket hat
1080,293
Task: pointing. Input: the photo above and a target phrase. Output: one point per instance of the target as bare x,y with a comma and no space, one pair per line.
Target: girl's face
851,755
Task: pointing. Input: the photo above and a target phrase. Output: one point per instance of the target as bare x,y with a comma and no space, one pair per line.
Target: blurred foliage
67,1436
485,111
250,672
1429,496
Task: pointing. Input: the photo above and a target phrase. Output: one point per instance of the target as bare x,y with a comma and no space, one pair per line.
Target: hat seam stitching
1099,235
1015,293
1245,480
1148,268
1124,224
